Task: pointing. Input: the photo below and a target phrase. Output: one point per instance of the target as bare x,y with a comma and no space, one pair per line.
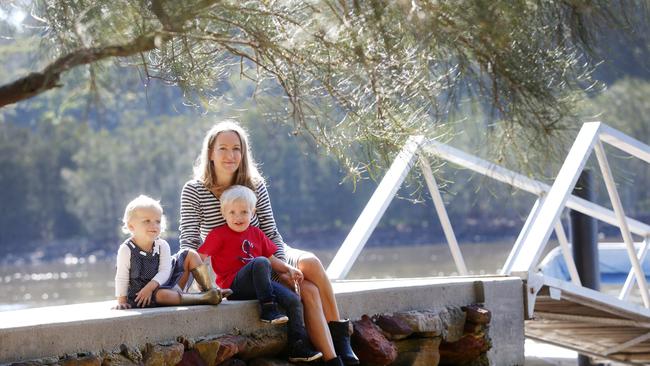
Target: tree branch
38,82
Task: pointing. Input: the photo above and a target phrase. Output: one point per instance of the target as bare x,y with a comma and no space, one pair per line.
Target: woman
226,159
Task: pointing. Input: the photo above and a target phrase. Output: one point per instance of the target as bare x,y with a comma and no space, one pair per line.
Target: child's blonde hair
236,193
142,201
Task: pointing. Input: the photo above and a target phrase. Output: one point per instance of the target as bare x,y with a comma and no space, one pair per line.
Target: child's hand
295,274
121,304
143,297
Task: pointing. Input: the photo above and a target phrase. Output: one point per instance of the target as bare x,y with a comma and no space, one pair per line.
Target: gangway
558,312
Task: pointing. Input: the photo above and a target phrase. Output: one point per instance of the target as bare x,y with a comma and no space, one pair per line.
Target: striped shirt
201,212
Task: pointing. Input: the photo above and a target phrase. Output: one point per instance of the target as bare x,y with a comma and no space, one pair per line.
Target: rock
191,357
81,359
263,361
163,355
370,345
453,323
208,350
477,315
117,359
394,328
188,343
132,353
38,362
230,346
424,323
473,328
418,352
466,350
266,344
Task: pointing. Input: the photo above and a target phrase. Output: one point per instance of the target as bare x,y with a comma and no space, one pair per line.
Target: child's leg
167,297
292,305
301,349
253,281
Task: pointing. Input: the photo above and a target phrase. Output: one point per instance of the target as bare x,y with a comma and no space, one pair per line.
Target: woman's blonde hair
247,173
142,201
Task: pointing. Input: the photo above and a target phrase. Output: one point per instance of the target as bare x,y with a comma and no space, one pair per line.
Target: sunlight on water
76,279
65,282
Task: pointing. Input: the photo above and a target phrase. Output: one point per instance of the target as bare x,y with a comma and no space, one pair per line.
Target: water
59,283
77,280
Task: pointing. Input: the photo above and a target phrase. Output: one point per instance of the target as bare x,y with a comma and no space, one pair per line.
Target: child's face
238,215
145,223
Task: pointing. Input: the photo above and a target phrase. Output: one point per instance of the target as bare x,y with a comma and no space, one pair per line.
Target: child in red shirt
242,258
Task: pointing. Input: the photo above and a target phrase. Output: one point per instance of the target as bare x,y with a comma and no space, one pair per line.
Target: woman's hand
143,297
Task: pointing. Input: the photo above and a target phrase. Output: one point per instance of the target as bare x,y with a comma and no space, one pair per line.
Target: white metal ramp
558,312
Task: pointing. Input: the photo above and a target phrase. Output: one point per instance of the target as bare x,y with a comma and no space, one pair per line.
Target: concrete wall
54,331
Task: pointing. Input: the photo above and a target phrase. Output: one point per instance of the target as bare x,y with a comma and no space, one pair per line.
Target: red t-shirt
229,250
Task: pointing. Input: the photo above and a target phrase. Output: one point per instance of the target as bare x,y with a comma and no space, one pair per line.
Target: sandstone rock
425,323
230,346
188,343
466,350
473,328
477,315
208,350
453,323
370,345
132,353
117,359
191,358
163,355
418,352
82,359
266,344
38,362
394,328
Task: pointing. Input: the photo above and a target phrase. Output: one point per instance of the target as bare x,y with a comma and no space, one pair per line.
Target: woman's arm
267,220
190,225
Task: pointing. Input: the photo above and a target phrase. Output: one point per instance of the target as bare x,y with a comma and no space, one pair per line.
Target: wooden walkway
590,322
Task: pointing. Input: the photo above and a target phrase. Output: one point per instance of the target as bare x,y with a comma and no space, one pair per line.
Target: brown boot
210,297
201,275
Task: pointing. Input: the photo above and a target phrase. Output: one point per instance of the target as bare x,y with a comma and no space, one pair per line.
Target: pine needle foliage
358,77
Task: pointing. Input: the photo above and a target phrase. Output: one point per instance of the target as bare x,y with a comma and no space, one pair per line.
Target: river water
75,280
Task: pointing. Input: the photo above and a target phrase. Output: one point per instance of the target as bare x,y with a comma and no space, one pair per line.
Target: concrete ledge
53,331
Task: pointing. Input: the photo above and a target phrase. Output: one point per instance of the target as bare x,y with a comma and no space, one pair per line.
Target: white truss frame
540,223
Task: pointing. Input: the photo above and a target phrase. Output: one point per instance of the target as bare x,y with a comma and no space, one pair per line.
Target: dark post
584,241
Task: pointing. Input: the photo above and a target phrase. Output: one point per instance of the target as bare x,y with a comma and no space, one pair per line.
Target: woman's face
226,154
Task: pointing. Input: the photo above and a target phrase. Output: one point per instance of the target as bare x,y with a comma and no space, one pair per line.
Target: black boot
340,331
336,361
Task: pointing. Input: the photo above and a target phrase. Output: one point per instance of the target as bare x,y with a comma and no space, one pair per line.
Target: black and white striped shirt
201,212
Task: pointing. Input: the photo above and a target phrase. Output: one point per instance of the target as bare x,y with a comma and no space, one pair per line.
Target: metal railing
543,219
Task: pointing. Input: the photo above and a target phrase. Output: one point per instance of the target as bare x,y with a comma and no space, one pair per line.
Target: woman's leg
315,321
314,272
328,313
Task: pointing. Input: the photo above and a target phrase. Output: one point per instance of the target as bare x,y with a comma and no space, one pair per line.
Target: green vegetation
329,91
